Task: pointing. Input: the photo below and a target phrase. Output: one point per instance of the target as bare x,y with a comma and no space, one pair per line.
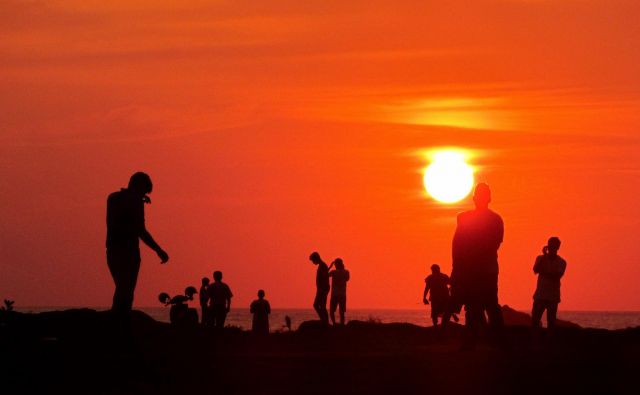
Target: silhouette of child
339,278
260,309
550,268
204,297
219,300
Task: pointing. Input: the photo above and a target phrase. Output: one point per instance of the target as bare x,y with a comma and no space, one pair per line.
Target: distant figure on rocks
550,268
438,284
260,309
474,277
125,227
219,300
339,278
180,313
204,297
322,287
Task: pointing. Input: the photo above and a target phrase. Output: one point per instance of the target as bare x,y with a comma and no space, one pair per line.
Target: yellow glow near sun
449,178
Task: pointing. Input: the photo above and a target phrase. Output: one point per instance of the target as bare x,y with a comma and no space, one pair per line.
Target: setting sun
448,179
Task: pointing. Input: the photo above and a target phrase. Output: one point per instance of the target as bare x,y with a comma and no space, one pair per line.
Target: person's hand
164,257
425,301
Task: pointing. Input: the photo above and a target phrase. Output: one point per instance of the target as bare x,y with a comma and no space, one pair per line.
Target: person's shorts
338,301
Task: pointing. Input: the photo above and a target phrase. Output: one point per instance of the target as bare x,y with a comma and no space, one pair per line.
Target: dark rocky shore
81,351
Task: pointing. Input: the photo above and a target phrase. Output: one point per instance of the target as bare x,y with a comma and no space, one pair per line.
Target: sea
241,317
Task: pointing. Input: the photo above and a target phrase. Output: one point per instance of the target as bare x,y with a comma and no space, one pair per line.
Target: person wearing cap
125,227
474,276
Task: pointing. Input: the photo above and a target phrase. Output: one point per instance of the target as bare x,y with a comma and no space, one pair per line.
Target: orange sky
272,129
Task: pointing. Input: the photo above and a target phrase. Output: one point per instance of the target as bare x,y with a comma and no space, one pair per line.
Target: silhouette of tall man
474,277
125,227
322,287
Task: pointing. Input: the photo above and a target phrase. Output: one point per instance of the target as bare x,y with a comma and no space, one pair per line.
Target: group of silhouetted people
215,304
473,283
215,301
338,287
474,277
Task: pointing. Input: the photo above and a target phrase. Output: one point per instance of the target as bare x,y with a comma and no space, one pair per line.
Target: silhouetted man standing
219,300
322,287
125,226
474,277
260,308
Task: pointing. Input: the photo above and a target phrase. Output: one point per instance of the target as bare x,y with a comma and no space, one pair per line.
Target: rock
517,318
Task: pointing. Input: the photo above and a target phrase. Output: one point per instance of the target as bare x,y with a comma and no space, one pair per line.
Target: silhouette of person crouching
550,268
260,308
125,227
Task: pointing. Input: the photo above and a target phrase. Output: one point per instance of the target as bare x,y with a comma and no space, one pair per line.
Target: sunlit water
242,317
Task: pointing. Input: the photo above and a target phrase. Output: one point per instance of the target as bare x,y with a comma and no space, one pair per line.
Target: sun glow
449,178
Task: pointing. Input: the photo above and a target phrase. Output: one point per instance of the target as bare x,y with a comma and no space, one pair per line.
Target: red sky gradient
272,129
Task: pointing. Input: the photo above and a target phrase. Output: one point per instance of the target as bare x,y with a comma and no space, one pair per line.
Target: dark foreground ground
76,351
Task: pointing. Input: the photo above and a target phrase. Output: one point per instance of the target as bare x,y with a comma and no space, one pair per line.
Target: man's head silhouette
261,294
482,196
553,244
140,183
217,275
315,258
435,268
338,263
205,281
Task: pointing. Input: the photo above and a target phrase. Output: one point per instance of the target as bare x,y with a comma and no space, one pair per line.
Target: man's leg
223,317
473,317
216,317
203,318
434,315
494,310
124,269
320,306
333,304
342,305
323,307
552,312
536,313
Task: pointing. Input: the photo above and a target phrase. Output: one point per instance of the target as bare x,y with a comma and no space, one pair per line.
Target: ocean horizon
241,317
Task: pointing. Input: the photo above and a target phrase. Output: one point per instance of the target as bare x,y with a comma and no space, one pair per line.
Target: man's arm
145,236
536,266
229,296
499,232
424,294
